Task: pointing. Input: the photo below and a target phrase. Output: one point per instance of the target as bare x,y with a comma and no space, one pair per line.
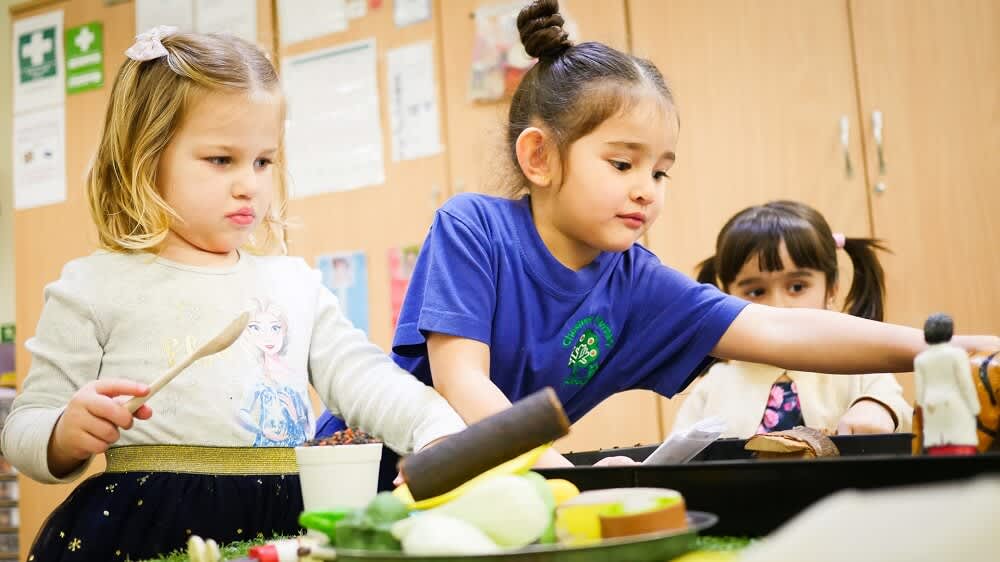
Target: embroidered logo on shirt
585,355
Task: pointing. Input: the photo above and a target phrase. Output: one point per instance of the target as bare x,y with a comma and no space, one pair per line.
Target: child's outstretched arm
63,415
360,382
822,341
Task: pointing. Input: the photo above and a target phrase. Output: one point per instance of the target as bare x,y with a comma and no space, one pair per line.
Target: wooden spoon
221,341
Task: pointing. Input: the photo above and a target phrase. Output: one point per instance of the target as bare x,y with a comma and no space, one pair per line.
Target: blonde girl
187,181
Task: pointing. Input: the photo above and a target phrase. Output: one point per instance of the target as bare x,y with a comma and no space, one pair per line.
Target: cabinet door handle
877,125
845,143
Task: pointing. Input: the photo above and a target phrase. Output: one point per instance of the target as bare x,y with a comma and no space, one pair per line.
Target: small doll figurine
945,393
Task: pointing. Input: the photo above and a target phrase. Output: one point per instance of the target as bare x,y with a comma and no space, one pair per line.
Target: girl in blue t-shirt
550,289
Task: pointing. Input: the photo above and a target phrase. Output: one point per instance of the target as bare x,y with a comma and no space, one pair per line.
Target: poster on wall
38,62
402,260
498,58
84,57
333,131
346,275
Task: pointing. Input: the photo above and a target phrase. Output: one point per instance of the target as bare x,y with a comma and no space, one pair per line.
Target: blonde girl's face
217,174
792,287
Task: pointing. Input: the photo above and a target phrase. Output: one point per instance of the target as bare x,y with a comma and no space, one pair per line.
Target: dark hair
759,231
938,328
573,88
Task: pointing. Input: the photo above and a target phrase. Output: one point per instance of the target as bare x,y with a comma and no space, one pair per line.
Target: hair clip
149,45
839,239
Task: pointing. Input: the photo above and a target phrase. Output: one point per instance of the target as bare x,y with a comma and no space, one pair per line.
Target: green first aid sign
37,52
84,57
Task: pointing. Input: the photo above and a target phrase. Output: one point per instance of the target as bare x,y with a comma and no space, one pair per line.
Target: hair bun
542,34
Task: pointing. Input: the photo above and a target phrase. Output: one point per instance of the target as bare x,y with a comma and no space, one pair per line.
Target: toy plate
651,547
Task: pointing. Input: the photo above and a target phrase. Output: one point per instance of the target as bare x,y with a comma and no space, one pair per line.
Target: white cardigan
738,393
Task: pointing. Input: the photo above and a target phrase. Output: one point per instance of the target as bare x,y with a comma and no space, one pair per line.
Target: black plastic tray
754,497
732,449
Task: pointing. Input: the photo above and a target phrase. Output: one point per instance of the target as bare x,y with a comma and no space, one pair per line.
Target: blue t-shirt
623,322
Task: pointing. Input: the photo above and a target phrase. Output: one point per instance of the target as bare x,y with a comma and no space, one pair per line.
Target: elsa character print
273,410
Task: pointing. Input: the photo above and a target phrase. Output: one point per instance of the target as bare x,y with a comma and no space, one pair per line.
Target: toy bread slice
797,443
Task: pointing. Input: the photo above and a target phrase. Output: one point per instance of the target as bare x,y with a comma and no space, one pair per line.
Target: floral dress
783,410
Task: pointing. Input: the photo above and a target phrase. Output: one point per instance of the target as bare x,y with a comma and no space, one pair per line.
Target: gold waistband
194,459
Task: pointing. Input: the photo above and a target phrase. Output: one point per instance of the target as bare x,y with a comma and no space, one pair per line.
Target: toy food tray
754,497
640,548
732,449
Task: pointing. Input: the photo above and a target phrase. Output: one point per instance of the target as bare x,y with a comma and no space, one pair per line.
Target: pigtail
866,298
708,272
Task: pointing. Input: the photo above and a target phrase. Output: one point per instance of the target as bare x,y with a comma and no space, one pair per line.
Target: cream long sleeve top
131,316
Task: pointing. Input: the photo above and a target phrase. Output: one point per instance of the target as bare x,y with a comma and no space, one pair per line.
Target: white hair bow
148,45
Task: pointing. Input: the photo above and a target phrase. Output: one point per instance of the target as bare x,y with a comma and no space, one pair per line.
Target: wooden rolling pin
531,422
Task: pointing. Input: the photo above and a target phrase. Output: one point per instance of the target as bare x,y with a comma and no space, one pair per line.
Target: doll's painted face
267,332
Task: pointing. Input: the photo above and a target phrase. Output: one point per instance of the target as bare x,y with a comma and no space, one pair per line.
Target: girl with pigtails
784,254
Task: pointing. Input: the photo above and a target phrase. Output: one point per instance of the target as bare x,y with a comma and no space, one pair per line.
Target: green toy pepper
369,528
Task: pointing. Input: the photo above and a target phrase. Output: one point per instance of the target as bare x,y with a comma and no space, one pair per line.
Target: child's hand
866,416
615,461
398,480
91,423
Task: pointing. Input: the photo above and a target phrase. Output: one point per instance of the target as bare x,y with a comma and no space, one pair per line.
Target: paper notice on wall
39,151
300,20
236,17
37,51
408,12
413,101
151,13
356,9
334,132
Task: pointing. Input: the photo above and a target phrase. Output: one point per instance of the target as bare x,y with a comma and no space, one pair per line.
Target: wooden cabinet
763,88
933,70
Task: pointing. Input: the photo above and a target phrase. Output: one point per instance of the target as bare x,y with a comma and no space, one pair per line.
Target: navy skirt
138,515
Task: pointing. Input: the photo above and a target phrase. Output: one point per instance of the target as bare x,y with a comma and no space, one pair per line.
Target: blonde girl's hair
148,102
